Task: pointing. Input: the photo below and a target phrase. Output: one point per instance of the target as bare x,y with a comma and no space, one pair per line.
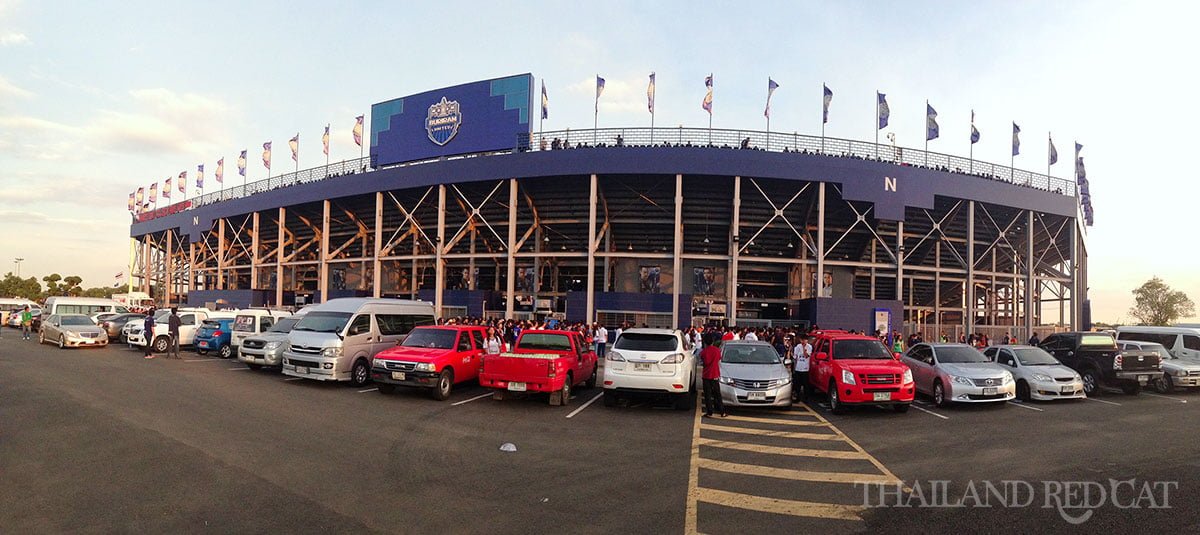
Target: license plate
756,396
883,396
397,376
1143,379
301,369
1068,390
516,387
989,391
641,366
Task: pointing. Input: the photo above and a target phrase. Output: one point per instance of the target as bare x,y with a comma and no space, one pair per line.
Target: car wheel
591,382
610,398
445,384
1164,385
684,400
900,408
1091,382
41,337
161,344
835,401
226,351
387,389
62,341
939,395
498,395
563,396
1023,392
202,352
254,367
1132,389
359,374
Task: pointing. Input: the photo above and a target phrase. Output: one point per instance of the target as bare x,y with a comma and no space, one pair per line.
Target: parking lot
103,440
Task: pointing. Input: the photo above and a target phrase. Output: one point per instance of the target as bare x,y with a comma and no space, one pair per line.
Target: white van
336,340
1182,342
253,321
8,304
88,306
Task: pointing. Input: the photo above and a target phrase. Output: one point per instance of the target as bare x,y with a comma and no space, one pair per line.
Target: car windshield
1096,339
549,342
323,322
959,355
1032,357
1163,354
749,354
431,338
210,325
284,325
860,350
77,320
647,342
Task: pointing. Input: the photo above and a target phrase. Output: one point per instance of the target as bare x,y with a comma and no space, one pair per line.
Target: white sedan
1039,375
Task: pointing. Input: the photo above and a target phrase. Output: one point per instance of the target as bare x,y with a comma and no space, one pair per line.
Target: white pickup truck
189,318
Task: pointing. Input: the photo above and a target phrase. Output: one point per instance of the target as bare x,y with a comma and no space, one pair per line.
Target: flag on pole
154,192
545,102
183,182
267,155
358,130
599,90
1016,140
131,201
974,132
825,100
200,176
931,126
650,95
881,107
771,87
1080,172
242,163
708,97
1053,151
220,170
325,140
141,196
294,143
166,192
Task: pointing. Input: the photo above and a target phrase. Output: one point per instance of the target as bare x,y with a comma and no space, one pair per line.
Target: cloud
13,39
620,94
162,121
7,89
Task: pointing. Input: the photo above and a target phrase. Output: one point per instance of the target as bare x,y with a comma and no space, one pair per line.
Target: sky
100,98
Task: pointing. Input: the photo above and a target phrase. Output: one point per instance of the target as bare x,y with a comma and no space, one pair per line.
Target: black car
1101,363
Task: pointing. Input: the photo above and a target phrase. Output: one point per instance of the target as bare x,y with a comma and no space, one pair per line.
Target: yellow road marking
776,450
780,421
798,475
778,506
868,456
693,491
766,433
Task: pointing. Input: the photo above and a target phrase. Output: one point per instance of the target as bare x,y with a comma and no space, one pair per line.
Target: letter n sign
889,183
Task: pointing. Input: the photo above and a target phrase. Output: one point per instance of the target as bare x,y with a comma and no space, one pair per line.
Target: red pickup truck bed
541,361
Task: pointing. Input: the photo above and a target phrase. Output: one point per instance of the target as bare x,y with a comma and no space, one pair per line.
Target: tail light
550,368
217,333
1117,361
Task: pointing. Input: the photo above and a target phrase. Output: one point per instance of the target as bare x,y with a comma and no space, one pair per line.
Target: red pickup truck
436,358
854,369
541,361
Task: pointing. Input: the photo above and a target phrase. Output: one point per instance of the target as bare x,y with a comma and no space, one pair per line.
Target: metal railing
784,142
303,176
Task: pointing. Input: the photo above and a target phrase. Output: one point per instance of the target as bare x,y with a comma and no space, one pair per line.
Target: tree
71,284
13,286
1155,303
102,292
52,283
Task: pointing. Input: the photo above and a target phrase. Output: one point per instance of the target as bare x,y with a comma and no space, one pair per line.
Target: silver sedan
958,373
72,330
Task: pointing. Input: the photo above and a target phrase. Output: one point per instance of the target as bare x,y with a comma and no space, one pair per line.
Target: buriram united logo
443,121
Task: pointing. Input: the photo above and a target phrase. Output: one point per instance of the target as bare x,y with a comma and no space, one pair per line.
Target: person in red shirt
711,357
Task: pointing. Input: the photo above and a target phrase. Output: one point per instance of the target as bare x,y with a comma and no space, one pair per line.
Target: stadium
462,204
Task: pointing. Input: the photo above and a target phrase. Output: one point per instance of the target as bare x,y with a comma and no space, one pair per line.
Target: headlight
71,334
786,380
673,359
1042,378
961,380
1008,378
426,367
613,356
848,378
331,352
272,346
727,380
1181,373
907,376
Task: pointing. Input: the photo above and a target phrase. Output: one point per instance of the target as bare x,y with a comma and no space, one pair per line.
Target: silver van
336,340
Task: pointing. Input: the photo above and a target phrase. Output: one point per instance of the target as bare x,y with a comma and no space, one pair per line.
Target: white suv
651,361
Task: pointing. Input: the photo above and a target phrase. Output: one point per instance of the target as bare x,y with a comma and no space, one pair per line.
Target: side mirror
896,355
822,356
1070,353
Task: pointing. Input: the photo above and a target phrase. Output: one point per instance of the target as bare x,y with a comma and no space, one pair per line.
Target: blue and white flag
545,102
1053,159
1016,140
974,132
266,156
200,176
931,126
825,100
650,95
599,90
771,87
242,163
881,110
708,97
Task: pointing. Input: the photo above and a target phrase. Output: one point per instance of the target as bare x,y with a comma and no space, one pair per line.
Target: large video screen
475,117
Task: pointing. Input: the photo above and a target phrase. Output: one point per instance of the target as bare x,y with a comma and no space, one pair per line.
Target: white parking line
585,405
202,360
368,390
481,396
1102,401
915,406
242,369
1024,406
1164,397
294,379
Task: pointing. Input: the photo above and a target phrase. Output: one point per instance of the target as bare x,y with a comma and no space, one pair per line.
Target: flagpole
926,132
596,112
876,124
1050,142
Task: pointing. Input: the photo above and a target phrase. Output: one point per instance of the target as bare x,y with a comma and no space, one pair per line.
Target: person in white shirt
750,336
800,356
601,338
493,344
